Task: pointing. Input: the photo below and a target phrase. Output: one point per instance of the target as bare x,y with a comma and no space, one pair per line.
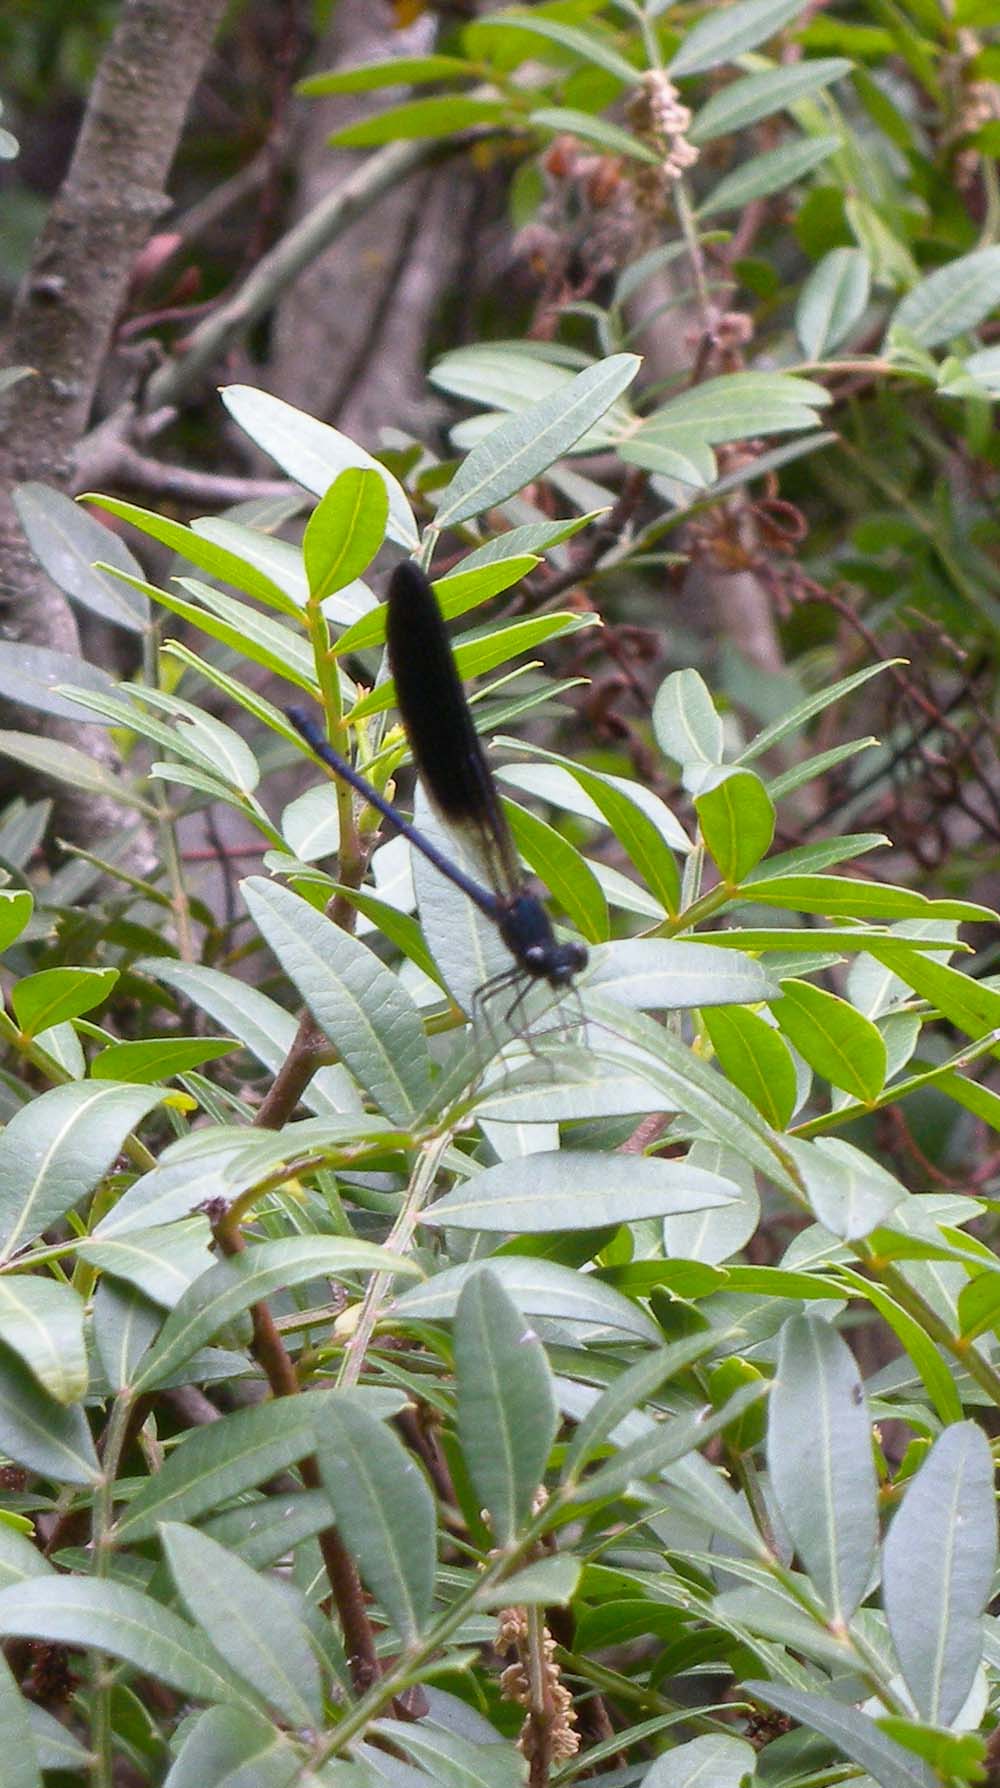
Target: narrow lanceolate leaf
767,173
249,1617
115,1618
38,1432
947,1522
722,36
952,299
715,1758
362,1007
314,453
385,1512
630,1392
686,721
54,1151
539,1288
578,1189
756,1058
528,443
851,1731
740,103
41,1321
69,543
218,1462
507,1415
736,815
836,1040
832,300
849,1193
671,1439
820,1457
232,1285
20,1766
263,1027
345,531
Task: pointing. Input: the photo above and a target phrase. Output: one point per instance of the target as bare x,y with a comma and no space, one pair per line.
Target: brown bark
65,313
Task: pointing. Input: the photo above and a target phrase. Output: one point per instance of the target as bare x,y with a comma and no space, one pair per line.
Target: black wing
439,725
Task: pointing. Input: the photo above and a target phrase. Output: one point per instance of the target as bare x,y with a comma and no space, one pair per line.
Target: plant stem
398,1241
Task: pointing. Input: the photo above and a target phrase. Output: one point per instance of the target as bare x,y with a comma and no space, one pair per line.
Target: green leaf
548,1583
464,589
715,1235
688,1084
807,710
357,1001
585,44
474,657
263,1027
219,1746
736,816
717,1759
820,1458
527,444
41,1320
54,1151
643,825
578,1189
655,972
628,1392
218,1463
392,71
567,875
507,1417
112,1617
230,1286
950,1754
966,1002
313,453
538,1288
38,1432
345,531
768,173
66,763
685,720
158,1058
951,300
453,1761
53,995
671,1439
68,543
759,95
310,825
848,1191
853,1733
591,129
250,1618
441,117
216,560
832,300
841,896
235,624
21,1764
836,1040
756,1059
385,1512
722,36
16,907
947,1520
36,677
937,1379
